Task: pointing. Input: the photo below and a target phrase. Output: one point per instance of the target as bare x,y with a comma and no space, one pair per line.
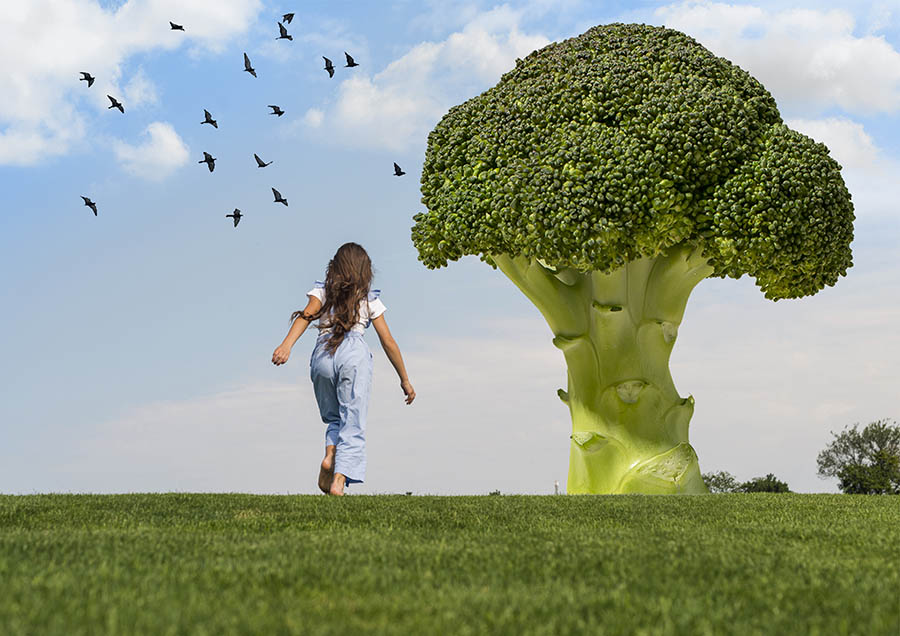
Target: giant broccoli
607,175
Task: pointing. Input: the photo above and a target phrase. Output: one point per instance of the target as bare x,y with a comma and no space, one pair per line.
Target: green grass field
225,564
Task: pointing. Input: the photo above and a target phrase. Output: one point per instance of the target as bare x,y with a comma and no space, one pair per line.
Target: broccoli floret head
621,143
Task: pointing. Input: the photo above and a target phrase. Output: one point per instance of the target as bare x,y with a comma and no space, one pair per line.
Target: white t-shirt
370,308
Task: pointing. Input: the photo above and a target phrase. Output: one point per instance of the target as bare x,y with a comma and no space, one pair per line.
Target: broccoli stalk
616,331
606,176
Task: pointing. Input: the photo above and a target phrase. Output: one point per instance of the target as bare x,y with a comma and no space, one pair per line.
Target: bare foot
337,486
326,470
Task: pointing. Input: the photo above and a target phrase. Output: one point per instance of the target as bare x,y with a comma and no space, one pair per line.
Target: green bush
769,483
881,477
865,461
720,481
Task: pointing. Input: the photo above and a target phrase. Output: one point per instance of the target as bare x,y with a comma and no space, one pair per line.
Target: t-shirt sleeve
318,291
376,306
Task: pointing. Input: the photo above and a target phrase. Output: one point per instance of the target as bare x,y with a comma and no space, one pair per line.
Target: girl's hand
408,390
281,354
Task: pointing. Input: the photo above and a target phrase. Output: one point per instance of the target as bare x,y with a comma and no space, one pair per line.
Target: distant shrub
769,483
865,461
495,492
881,477
720,481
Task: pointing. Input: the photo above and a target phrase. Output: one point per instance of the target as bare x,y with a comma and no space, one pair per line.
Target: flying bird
247,66
209,160
284,34
278,197
87,77
276,110
328,66
259,162
209,119
115,104
397,171
176,27
287,17
350,61
90,204
236,215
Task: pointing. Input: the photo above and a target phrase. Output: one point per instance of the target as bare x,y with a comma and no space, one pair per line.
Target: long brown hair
347,282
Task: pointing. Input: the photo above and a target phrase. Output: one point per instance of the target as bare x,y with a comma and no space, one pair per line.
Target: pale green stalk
617,330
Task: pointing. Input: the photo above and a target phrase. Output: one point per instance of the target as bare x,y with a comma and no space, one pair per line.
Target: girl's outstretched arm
393,353
283,351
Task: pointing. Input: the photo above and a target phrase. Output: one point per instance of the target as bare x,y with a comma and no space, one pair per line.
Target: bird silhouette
236,215
276,110
259,162
247,66
87,77
328,66
209,160
90,204
278,197
287,17
176,27
209,119
284,34
397,171
350,62
115,104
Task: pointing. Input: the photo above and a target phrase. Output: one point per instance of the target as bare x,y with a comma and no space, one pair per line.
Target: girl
341,364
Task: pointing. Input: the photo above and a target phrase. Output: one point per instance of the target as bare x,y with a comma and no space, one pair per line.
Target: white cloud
806,58
313,117
140,90
395,108
47,43
160,154
25,143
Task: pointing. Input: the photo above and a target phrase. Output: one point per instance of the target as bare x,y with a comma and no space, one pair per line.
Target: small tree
769,483
865,461
882,477
721,481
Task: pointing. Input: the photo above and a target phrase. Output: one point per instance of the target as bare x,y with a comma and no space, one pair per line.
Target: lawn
230,563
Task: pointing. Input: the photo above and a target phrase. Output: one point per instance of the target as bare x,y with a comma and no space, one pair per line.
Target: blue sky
136,345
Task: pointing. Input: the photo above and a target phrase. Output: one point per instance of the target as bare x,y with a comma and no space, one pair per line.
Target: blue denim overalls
342,384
